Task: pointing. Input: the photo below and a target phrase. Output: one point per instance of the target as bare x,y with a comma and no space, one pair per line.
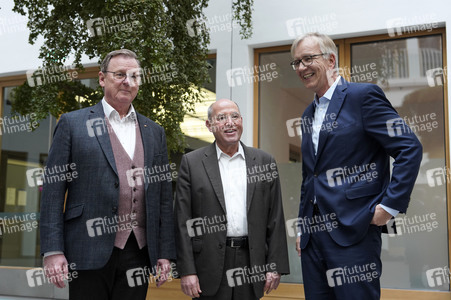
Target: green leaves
157,30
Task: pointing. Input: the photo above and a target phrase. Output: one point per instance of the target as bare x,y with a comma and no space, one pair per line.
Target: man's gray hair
326,44
109,56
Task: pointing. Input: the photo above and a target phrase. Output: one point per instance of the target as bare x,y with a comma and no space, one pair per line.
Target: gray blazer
95,192
200,194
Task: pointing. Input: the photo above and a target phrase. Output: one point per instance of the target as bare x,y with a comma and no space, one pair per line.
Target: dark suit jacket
95,192
200,194
367,130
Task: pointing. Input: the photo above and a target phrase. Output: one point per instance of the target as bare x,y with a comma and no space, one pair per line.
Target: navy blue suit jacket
95,191
350,173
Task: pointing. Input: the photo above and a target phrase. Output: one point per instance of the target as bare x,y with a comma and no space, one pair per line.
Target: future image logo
437,176
349,275
348,175
206,225
397,127
36,277
438,276
111,25
436,77
96,127
100,226
246,75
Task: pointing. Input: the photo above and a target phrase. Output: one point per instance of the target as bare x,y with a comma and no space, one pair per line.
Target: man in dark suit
230,230
116,225
349,133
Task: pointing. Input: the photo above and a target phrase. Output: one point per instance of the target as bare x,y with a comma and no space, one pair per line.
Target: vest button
134,189
114,209
134,200
133,167
220,246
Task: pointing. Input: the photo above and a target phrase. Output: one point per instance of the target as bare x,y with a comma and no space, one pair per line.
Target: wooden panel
288,291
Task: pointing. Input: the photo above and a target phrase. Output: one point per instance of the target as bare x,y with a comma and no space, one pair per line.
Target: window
23,155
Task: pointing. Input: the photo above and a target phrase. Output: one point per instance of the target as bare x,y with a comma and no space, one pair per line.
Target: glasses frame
296,63
230,116
130,77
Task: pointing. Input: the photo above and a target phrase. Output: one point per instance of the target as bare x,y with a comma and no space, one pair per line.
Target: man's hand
190,286
56,270
272,282
381,216
298,245
163,269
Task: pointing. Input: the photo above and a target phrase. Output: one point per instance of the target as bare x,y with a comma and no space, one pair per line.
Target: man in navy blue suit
349,133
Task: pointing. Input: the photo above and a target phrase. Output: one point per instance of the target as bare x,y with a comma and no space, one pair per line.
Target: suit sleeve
378,116
166,234
53,194
182,212
276,238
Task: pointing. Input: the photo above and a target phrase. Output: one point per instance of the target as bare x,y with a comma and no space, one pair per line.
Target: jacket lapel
307,121
211,166
97,116
147,137
250,163
333,110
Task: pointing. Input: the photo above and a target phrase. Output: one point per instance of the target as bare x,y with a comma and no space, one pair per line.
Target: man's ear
208,124
101,79
332,60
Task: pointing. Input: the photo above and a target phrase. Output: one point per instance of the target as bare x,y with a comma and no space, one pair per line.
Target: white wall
339,19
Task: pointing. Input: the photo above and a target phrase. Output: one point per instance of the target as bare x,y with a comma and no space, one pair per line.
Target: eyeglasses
306,61
120,76
222,118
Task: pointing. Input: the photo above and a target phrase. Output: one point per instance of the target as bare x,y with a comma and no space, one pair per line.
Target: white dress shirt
125,128
234,184
321,106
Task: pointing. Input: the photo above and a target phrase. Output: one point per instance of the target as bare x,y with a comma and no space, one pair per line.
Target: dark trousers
234,258
331,271
125,276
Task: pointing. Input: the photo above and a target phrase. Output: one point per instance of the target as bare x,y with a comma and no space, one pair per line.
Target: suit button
220,246
114,209
116,184
316,175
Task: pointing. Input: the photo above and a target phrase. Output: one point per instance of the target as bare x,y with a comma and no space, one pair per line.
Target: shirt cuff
391,211
52,253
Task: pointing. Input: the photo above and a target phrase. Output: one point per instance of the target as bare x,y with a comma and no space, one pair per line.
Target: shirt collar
112,113
329,92
219,151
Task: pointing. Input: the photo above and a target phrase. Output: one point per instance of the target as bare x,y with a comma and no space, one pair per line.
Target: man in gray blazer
115,225
230,228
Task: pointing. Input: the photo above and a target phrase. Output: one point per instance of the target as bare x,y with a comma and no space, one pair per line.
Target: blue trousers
331,271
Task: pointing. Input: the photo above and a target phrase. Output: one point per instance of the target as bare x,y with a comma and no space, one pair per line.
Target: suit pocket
363,191
197,245
73,212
